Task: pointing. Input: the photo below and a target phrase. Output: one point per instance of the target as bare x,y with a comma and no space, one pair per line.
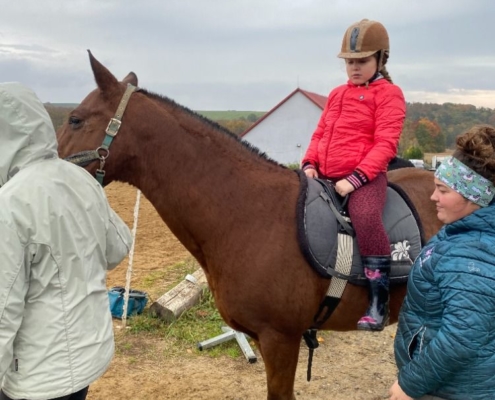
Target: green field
63,105
231,114
213,115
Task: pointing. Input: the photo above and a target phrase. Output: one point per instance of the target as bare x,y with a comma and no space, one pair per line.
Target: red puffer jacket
359,130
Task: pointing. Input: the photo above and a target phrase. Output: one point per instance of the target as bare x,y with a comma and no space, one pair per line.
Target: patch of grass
127,346
197,324
122,347
146,322
173,275
132,360
161,281
151,280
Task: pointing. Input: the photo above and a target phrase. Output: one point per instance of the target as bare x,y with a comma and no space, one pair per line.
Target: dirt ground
346,366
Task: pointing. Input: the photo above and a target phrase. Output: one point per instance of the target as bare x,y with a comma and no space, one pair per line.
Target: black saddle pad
318,228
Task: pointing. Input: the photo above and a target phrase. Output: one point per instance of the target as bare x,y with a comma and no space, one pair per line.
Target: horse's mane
171,103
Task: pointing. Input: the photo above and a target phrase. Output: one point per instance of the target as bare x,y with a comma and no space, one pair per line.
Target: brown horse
233,209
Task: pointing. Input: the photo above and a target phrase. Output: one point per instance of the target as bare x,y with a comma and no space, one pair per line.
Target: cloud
223,54
478,98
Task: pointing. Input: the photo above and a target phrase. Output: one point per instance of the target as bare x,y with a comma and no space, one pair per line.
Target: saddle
322,216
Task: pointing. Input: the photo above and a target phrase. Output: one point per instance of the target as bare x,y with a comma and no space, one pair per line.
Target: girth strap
334,294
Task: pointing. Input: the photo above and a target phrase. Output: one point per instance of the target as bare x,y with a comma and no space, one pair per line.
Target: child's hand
311,173
344,187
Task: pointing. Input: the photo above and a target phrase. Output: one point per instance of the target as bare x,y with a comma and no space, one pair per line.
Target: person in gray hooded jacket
59,236
445,342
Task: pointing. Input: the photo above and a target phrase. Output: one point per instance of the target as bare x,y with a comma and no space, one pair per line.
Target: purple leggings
366,206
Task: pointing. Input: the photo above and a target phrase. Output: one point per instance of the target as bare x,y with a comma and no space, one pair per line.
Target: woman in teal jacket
445,342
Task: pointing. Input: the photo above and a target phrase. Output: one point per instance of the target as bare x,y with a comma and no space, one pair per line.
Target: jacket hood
26,131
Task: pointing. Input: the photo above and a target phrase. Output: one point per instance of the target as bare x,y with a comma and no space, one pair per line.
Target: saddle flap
319,225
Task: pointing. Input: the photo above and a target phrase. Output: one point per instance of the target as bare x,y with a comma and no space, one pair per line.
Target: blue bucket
136,304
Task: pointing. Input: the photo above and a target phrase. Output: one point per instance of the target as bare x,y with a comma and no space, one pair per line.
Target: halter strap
115,122
84,158
111,131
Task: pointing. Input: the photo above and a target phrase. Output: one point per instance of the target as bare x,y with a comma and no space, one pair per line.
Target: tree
429,135
252,118
407,137
413,153
236,126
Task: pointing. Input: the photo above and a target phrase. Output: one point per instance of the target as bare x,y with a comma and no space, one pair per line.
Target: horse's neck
199,178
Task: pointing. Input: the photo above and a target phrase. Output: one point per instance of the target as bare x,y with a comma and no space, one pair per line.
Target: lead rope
131,257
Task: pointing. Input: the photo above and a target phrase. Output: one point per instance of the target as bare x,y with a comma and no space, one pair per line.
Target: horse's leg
280,354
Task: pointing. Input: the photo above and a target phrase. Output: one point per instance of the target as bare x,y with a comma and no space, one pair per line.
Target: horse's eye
75,121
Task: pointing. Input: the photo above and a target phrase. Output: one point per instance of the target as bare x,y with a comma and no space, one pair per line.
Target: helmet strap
378,69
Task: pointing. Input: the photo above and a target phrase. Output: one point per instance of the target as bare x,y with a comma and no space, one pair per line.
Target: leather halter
102,152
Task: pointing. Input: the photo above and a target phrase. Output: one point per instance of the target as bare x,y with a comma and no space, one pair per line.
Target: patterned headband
468,183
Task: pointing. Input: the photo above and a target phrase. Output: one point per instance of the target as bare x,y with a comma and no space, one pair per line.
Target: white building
285,131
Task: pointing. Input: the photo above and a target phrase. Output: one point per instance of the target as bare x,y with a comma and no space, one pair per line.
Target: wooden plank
181,298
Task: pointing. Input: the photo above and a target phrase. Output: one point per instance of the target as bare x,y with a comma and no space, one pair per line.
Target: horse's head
88,125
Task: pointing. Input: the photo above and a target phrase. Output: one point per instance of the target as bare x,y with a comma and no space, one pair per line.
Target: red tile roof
316,98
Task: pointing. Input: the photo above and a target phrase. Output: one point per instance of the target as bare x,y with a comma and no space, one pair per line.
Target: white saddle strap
343,264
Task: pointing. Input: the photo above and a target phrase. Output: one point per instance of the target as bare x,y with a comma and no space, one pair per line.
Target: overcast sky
245,54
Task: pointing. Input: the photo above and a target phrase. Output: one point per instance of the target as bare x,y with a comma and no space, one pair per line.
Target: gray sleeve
13,289
119,240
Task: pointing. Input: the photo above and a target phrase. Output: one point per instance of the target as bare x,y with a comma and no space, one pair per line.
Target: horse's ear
103,77
131,78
